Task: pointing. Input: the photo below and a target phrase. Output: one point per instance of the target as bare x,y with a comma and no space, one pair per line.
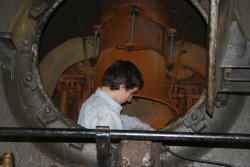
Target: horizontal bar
236,87
232,140
237,74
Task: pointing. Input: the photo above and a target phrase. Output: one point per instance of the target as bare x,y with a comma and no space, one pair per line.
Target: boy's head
124,79
122,73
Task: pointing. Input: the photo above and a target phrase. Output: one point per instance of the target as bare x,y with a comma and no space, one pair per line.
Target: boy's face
126,95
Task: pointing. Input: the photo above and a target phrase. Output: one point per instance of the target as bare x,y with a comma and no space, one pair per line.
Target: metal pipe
232,140
171,48
134,13
95,43
178,58
132,28
103,146
211,89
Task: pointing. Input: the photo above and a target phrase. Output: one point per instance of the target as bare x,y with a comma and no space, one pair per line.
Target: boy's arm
108,118
133,123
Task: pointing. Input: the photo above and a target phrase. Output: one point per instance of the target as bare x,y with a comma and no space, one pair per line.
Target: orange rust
149,62
177,62
147,34
153,104
152,66
147,51
154,10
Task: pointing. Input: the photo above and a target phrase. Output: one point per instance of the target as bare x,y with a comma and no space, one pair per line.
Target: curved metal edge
32,107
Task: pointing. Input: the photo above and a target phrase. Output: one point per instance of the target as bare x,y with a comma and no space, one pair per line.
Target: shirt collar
109,99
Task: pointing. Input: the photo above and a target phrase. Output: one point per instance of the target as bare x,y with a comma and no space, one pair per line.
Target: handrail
231,140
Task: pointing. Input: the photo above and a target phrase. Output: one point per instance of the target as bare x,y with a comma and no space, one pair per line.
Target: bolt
47,109
188,72
146,160
26,42
163,156
26,46
37,8
28,77
146,163
194,116
102,146
170,67
8,159
125,162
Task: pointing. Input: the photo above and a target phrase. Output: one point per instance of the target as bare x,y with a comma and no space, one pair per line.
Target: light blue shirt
101,110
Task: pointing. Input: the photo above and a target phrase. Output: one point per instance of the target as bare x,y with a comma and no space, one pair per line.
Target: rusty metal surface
147,27
149,62
177,61
154,105
154,10
152,66
72,89
141,156
139,153
59,59
147,34
188,88
193,57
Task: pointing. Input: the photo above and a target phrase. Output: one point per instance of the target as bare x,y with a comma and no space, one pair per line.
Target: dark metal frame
103,136
16,134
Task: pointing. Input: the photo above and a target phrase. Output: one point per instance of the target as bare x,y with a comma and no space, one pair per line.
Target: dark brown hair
122,72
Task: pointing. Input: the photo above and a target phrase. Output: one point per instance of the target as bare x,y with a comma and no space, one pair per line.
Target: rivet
28,77
146,163
125,162
47,109
194,116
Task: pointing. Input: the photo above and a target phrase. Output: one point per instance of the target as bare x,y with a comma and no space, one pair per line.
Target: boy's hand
151,129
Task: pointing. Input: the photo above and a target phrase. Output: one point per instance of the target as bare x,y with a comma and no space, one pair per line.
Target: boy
120,81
